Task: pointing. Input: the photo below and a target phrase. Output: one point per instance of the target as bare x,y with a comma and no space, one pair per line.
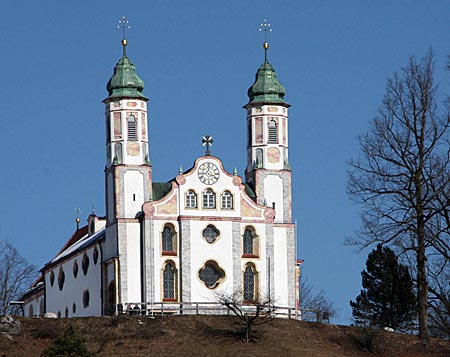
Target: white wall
73,288
280,268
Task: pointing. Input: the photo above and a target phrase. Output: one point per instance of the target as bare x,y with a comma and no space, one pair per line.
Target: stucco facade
207,231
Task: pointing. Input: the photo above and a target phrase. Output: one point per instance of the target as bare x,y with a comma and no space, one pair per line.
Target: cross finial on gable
207,141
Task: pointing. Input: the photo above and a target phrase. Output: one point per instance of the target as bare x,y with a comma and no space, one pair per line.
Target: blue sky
197,59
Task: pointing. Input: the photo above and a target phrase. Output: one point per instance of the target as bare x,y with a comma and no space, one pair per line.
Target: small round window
210,233
211,274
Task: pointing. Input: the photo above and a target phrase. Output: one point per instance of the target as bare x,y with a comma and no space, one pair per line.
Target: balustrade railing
197,308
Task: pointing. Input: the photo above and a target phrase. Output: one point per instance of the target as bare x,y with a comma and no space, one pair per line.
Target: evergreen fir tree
387,298
68,343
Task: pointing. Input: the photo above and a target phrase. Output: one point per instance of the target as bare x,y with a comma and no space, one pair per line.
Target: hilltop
215,335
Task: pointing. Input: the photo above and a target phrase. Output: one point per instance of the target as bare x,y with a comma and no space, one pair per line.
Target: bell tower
268,170
128,173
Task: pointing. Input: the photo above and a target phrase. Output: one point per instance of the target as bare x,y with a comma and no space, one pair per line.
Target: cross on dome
265,27
124,25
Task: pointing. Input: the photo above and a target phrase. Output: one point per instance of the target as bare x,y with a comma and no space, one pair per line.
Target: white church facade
203,232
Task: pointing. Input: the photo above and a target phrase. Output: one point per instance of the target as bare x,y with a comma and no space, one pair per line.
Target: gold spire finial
124,25
77,220
265,27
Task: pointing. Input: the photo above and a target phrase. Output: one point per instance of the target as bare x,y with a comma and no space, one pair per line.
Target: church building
205,231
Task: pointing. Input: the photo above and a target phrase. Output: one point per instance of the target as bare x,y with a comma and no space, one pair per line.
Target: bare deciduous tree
251,313
16,275
314,305
401,177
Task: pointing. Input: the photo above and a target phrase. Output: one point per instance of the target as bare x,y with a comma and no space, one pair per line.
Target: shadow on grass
235,330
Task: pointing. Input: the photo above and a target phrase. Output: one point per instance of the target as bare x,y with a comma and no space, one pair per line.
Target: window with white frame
191,199
209,199
227,200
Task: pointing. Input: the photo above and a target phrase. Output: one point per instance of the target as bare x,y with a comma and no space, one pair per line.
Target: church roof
160,189
266,89
81,244
125,83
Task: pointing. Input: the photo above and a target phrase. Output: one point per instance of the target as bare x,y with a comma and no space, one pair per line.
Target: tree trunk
422,289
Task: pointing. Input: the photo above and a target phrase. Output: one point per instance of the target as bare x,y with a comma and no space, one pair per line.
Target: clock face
208,173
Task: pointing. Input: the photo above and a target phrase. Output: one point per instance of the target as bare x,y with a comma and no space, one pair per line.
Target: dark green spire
266,89
125,83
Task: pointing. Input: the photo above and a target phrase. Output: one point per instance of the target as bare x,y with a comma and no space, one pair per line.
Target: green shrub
68,343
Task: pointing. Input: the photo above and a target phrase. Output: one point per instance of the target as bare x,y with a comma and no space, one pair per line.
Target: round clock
208,173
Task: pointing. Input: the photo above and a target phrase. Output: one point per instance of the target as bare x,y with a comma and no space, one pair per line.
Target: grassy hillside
215,336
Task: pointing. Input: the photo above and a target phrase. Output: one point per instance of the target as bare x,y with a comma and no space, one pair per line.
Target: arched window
273,132
132,128
169,282
168,240
30,311
118,157
191,199
52,278
259,158
227,200
209,199
250,283
249,243
66,312
210,233
74,308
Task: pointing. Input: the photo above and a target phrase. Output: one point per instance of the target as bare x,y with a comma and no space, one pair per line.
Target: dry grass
217,336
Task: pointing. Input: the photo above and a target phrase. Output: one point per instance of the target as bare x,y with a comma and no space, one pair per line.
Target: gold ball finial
77,220
124,42
266,45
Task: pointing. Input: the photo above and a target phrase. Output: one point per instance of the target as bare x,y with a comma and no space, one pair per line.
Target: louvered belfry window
132,128
273,132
